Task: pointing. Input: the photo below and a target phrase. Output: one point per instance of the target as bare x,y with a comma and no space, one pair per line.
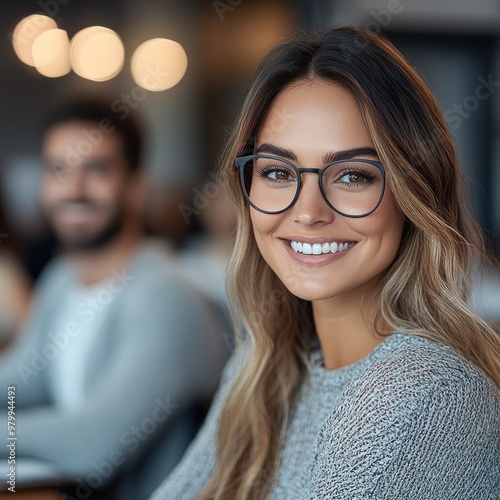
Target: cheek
258,223
50,189
104,188
385,228
263,226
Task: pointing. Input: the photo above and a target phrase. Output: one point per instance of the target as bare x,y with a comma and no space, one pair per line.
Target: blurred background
455,44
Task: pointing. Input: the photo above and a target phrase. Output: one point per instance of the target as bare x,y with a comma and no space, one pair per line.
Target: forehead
312,116
85,138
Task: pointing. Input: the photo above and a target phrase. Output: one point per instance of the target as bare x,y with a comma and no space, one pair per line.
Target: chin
85,241
75,244
87,238
310,292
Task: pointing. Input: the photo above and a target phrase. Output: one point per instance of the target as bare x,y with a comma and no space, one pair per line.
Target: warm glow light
97,53
158,64
25,33
51,53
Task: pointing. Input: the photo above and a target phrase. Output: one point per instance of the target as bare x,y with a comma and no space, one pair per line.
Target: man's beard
99,239
105,236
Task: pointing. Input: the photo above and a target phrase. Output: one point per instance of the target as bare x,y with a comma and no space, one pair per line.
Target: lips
75,213
320,248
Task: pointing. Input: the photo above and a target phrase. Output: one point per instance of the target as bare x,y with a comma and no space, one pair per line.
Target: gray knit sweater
413,420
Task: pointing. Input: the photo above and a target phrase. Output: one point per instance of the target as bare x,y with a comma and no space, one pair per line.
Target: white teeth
320,248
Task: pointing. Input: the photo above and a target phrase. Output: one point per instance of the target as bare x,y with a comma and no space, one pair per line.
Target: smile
320,248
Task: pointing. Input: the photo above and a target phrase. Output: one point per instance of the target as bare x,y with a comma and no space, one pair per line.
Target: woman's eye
279,175
353,178
276,174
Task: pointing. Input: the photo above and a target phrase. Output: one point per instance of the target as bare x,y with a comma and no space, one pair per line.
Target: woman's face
311,120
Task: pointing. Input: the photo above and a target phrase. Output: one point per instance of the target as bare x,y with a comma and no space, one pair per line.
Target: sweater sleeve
158,366
412,429
198,463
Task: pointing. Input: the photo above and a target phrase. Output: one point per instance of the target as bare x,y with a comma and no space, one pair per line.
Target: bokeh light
158,64
51,53
26,32
97,53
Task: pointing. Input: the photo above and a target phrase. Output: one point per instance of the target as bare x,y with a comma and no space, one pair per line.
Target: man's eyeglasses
353,188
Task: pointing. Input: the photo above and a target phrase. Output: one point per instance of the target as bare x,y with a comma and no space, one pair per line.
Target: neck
98,264
347,327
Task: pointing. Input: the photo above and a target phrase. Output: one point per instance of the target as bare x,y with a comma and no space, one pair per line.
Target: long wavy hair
426,289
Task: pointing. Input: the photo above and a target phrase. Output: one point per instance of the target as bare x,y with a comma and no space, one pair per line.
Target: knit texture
413,420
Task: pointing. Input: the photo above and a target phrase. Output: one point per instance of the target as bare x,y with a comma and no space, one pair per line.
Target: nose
311,208
73,183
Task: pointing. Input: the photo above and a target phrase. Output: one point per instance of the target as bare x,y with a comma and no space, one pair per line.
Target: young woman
364,374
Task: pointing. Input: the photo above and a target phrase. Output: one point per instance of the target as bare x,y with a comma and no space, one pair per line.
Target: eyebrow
327,158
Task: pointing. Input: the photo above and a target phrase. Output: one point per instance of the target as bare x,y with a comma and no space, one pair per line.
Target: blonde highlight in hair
428,300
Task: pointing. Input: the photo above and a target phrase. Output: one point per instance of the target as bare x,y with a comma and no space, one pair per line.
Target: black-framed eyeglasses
352,188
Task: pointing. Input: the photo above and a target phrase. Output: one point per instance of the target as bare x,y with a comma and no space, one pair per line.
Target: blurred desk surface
32,494
34,480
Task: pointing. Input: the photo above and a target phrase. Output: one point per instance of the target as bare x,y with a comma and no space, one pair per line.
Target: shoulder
416,364
58,268
421,421
157,275
152,263
421,381
153,276
55,277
